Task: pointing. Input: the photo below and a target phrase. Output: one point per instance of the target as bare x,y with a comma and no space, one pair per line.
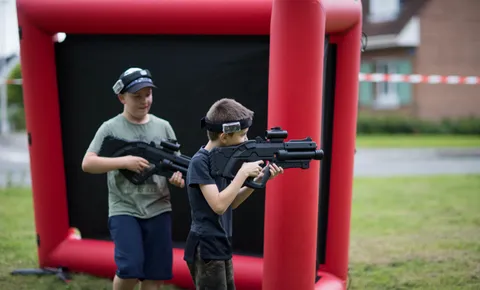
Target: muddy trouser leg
212,274
229,274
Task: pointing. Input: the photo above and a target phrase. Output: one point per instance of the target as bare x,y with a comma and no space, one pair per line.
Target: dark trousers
143,247
211,274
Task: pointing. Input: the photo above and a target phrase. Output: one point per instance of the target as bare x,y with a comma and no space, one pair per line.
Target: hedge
409,125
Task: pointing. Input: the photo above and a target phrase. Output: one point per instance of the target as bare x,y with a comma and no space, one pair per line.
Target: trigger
265,168
266,164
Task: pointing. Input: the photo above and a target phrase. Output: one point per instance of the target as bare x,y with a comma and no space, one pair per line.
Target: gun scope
276,133
169,145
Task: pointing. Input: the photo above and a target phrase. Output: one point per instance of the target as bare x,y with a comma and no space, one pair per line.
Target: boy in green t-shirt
139,215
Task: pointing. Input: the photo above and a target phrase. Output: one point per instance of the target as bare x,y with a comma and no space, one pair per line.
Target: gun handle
140,178
266,176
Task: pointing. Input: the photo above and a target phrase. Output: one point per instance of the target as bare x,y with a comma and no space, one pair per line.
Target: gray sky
8,28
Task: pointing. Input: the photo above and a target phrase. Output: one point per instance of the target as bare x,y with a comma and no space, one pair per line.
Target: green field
407,233
417,141
416,233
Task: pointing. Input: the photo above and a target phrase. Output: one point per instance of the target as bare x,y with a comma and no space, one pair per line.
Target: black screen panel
191,73
327,137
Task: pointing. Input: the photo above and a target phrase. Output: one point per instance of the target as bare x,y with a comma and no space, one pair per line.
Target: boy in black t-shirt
208,250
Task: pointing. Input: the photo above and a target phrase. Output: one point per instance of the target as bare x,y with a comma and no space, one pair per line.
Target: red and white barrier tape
11,82
419,79
376,78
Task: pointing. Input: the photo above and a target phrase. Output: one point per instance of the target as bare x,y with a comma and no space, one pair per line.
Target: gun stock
226,161
164,160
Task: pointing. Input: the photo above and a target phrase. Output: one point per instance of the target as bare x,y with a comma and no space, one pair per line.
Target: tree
15,100
15,92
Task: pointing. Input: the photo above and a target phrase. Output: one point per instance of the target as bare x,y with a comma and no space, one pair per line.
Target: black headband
226,127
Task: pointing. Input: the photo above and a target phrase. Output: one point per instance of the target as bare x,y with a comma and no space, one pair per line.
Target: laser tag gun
226,161
164,160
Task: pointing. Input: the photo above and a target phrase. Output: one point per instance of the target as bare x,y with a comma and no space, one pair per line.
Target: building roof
409,9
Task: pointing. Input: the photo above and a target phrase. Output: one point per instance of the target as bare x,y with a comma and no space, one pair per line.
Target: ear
223,138
121,98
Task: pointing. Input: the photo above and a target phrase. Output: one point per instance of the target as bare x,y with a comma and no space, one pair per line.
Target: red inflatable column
43,124
294,103
344,131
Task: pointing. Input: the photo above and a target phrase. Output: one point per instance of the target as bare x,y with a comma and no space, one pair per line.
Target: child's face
235,138
138,104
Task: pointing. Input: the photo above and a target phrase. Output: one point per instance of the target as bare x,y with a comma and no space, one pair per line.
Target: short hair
225,110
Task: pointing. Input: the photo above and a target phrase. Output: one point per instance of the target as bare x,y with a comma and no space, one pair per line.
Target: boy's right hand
135,163
251,169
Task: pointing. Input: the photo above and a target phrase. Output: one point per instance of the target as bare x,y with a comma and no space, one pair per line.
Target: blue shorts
143,247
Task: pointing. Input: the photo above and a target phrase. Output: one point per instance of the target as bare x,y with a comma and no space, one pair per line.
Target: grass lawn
416,233
417,141
407,233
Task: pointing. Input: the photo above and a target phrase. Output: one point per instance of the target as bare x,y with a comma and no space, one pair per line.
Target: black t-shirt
209,231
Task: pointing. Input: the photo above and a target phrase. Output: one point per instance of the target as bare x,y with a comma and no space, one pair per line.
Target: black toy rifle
226,161
164,160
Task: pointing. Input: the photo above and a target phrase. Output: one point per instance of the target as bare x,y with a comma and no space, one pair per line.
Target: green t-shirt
125,198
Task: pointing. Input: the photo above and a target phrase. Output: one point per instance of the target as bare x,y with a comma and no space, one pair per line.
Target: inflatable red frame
297,29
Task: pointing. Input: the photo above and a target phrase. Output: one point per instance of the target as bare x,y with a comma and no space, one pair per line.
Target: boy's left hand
177,180
274,171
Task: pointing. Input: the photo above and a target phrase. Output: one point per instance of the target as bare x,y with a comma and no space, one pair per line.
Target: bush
408,125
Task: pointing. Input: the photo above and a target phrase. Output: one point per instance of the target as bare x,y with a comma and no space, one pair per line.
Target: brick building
440,37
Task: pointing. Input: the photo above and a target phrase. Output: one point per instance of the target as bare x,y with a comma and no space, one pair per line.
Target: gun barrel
183,160
174,166
295,155
170,145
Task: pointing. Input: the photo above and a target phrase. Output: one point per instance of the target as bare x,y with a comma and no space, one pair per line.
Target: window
386,92
385,95
384,10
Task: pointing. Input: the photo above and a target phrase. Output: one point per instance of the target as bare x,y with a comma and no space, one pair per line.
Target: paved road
14,161
390,162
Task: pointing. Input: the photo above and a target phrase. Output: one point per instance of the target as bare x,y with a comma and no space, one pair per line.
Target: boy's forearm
242,195
99,165
227,196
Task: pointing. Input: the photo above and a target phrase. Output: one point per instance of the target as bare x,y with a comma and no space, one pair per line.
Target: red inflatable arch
297,31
